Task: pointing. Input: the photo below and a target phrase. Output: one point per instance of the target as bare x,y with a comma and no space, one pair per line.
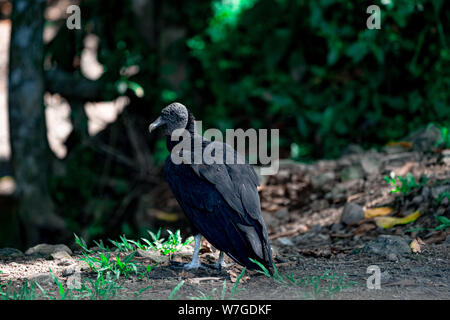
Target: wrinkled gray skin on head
174,116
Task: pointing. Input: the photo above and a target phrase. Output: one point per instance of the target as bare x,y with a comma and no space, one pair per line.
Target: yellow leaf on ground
377,212
404,144
166,216
389,222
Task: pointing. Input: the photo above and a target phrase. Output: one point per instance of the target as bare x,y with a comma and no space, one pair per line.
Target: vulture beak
155,124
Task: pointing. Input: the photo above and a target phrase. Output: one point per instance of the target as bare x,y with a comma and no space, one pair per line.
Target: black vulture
220,200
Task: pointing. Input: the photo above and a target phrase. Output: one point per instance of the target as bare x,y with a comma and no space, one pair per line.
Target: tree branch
73,86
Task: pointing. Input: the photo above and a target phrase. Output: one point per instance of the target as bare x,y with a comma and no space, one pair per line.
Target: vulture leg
218,264
195,263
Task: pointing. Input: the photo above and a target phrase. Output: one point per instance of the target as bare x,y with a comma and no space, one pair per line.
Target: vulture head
174,116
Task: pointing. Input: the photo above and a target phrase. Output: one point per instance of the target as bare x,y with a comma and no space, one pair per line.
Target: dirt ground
424,276
324,244
416,277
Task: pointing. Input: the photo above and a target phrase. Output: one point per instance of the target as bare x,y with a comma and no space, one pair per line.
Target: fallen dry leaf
289,233
389,222
284,264
166,216
406,168
234,275
415,245
403,144
363,228
437,237
377,212
206,247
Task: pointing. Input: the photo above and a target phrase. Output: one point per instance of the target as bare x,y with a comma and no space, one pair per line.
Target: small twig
124,204
96,146
355,196
286,233
198,280
341,236
70,86
143,157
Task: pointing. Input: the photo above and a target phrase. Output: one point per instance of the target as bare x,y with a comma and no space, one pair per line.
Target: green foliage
124,245
442,196
85,196
234,290
104,263
173,293
161,152
444,223
82,243
325,286
63,295
315,70
141,291
25,292
276,276
103,288
444,142
204,296
110,271
311,69
312,287
172,244
100,244
405,184
122,264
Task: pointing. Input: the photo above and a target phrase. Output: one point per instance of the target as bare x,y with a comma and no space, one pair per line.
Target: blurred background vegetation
310,68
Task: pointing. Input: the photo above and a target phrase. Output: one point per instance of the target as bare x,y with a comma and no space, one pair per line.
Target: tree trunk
30,153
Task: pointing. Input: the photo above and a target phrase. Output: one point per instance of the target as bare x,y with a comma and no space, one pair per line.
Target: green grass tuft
310,287
405,184
173,294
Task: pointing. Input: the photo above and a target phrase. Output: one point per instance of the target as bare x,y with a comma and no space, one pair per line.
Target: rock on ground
10,253
47,250
352,214
43,279
153,255
60,255
389,246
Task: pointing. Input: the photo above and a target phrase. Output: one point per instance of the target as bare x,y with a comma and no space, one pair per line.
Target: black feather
222,203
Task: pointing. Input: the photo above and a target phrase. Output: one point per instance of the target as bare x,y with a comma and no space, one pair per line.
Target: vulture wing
222,203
